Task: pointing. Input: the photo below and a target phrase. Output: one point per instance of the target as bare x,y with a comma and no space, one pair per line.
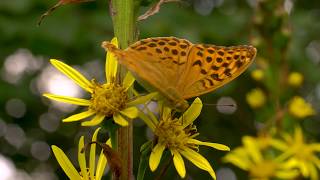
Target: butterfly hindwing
210,67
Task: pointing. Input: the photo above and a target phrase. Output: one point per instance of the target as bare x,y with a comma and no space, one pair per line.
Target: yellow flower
299,108
302,155
257,74
265,141
107,100
256,98
177,135
251,158
295,79
91,172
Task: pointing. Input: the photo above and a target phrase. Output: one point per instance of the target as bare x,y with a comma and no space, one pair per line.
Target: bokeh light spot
7,168
3,127
49,122
16,108
15,135
226,173
40,150
54,82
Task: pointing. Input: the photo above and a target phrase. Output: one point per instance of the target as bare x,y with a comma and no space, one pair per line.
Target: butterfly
179,69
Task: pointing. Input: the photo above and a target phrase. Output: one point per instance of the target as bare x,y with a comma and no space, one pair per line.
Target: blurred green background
29,123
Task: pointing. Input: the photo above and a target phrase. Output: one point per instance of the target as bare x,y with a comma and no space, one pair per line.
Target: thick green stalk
124,22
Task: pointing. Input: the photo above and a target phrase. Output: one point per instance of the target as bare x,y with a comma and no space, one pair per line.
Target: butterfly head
181,105
108,46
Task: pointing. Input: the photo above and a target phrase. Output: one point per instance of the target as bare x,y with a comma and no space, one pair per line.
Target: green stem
124,22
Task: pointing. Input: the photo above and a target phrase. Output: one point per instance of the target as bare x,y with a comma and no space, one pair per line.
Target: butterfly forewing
157,62
210,67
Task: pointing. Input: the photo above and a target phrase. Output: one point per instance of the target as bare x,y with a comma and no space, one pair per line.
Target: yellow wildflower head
90,172
252,159
107,100
257,74
299,108
302,155
177,135
295,79
256,98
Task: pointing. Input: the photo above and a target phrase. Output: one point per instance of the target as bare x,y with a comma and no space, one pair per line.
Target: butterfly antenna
87,146
228,105
108,46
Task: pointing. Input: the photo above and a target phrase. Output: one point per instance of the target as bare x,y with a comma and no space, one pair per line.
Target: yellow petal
179,164
155,156
166,112
191,113
280,145
92,160
130,112
82,159
147,120
289,164
316,161
298,134
111,63
102,162
94,121
315,146
69,100
285,155
120,120
73,74
65,163
142,99
313,171
79,116
304,169
128,80
252,148
218,146
242,163
287,174
198,160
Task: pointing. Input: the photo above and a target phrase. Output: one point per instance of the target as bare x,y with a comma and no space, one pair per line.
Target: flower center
108,98
264,169
173,135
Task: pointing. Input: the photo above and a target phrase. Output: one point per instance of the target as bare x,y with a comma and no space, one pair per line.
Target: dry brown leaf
60,3
154,9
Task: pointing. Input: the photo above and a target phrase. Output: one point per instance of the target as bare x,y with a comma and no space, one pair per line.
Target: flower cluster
92,171
107,100
177,135
299,108
258,161
284,157
110,99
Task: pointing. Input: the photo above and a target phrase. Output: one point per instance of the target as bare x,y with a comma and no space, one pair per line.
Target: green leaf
145,150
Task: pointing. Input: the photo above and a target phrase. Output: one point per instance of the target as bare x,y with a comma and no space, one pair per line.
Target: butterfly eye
181,106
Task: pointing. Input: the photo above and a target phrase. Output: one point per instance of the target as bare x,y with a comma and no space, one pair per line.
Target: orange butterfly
180,70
